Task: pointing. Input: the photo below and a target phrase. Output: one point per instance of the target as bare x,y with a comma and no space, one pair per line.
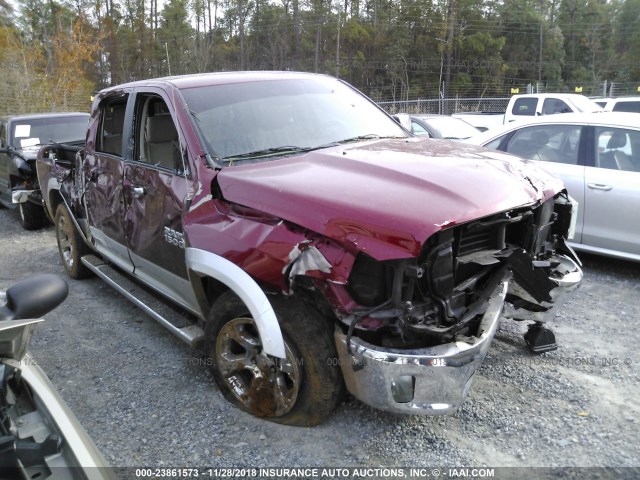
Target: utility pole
166,49
338,49
540,57
451,19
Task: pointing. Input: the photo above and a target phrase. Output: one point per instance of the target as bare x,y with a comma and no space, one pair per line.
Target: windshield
37,131
263,119
585,104
451,127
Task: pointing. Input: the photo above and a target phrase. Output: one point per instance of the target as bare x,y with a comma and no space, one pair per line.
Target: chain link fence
461,104
21,97
446,106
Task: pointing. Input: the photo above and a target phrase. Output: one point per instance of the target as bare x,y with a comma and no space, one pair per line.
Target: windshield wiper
267,152
369,136
292,149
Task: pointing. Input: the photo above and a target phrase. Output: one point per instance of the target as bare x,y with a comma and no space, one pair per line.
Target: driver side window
157,140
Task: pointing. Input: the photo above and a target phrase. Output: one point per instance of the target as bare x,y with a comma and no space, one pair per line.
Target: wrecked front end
423,326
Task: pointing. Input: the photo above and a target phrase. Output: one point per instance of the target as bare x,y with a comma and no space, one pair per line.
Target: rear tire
32,216
70,245
301,390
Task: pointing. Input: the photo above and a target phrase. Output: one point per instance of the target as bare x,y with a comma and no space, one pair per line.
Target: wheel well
208,290
55,199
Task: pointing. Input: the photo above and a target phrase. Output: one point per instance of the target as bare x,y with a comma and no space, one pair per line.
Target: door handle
599,186
138,192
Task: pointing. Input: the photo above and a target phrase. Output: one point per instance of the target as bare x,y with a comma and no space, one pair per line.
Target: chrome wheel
264,386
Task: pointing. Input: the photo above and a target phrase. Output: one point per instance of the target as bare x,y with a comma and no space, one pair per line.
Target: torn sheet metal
306,259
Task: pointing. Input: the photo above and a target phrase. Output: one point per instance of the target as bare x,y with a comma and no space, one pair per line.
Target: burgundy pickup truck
306,241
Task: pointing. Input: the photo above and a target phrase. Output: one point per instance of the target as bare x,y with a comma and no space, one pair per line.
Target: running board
166,316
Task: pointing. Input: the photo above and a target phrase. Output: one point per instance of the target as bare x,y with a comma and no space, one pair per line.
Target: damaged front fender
201,262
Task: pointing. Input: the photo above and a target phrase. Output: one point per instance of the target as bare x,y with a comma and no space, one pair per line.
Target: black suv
20,139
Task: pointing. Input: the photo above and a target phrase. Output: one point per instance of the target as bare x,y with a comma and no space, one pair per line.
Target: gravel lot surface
146,400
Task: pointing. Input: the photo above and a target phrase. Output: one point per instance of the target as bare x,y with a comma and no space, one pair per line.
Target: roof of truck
217,78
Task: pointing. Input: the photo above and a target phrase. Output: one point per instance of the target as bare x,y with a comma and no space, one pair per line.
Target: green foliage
388,48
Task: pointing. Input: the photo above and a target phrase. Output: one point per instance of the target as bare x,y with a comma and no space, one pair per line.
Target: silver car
597,155
39,436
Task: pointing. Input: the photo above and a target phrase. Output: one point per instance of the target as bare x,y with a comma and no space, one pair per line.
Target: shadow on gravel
626,269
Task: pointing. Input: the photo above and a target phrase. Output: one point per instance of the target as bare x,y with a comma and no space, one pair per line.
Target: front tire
301,390
31,216
70,245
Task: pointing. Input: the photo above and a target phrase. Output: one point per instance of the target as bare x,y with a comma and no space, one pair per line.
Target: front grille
475,238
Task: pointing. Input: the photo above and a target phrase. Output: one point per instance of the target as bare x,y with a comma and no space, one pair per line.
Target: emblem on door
174,237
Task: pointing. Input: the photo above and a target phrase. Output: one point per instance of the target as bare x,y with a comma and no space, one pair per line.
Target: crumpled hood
386,197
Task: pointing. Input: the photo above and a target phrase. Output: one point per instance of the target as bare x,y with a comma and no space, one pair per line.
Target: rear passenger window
109,139
618,149
551,106
525,106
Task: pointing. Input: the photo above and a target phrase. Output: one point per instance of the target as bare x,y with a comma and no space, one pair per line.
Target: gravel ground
147,401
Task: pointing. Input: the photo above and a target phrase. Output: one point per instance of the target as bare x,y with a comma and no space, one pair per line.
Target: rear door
156,185
612,193
103,170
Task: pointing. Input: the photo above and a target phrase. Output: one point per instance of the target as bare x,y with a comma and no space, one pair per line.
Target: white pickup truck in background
529,105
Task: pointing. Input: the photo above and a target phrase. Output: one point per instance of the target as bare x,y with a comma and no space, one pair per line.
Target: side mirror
35,296
403,120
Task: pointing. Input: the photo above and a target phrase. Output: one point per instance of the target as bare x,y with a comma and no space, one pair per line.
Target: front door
156,185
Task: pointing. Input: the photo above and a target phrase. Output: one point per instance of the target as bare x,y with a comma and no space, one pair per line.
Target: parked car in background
620,104
483,121
598,158
20,139
441,126
521,107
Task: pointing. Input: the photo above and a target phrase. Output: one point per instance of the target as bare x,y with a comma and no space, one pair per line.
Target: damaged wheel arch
201,262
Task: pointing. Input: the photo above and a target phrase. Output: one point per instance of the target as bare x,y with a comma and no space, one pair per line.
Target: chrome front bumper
428,381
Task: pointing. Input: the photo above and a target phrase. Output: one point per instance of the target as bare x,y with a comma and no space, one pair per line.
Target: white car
597,155
620,104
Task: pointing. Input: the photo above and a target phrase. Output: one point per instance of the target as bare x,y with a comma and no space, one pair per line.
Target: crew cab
20,139
307,240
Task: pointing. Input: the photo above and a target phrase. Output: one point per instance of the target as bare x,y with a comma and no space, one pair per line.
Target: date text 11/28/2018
314,472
